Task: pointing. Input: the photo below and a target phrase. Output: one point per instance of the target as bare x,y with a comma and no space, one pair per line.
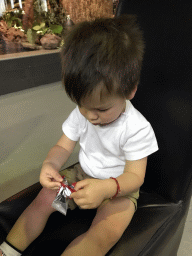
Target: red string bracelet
118,187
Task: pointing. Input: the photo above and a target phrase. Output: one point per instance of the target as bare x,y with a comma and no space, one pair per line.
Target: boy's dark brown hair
108,51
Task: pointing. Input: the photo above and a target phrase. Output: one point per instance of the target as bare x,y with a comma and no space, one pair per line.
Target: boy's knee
113,234
44,199
106,238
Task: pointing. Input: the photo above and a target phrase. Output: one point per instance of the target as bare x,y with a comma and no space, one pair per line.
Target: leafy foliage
13,18
54,19
51,22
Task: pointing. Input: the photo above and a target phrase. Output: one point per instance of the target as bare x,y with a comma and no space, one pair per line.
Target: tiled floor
185,248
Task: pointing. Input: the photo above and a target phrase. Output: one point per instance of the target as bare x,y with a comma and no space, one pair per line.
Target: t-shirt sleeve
139,140
71,126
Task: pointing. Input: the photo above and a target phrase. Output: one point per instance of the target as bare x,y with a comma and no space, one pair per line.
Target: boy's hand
49,177
90,193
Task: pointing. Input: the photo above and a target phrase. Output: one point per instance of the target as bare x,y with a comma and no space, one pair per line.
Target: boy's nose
92,115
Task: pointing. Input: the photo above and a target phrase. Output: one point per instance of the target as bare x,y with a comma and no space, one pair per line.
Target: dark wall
21,73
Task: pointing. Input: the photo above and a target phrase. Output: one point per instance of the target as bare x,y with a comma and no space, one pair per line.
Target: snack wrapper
62,198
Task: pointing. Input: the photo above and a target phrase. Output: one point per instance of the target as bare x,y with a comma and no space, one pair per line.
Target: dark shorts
76,174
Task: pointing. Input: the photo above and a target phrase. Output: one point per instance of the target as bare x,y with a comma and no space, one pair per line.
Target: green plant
47,22
50,22
13,18
31,36
54,19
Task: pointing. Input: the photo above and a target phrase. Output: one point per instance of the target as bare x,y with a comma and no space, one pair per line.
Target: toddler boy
101,65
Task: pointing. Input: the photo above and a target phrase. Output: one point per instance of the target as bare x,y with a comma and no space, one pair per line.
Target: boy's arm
56,158
131,180
59,154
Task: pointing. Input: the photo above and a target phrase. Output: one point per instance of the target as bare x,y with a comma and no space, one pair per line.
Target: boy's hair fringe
107,51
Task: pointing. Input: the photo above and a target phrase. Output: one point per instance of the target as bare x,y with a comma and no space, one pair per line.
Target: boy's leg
32,221
110,222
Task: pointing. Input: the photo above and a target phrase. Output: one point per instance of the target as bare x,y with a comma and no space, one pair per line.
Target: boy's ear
132,94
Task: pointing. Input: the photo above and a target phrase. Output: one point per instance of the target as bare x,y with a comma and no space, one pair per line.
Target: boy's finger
55,188
51,184
76,195
80,184
56,185
57,177
73,195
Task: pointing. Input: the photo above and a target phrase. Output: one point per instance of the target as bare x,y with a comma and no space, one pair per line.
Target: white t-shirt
104,149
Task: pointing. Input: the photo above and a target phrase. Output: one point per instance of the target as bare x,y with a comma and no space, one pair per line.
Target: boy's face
102,111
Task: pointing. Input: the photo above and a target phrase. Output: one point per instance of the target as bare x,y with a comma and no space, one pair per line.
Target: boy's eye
102,110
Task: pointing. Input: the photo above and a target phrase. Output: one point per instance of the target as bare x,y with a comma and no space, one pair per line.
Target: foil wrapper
62,198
